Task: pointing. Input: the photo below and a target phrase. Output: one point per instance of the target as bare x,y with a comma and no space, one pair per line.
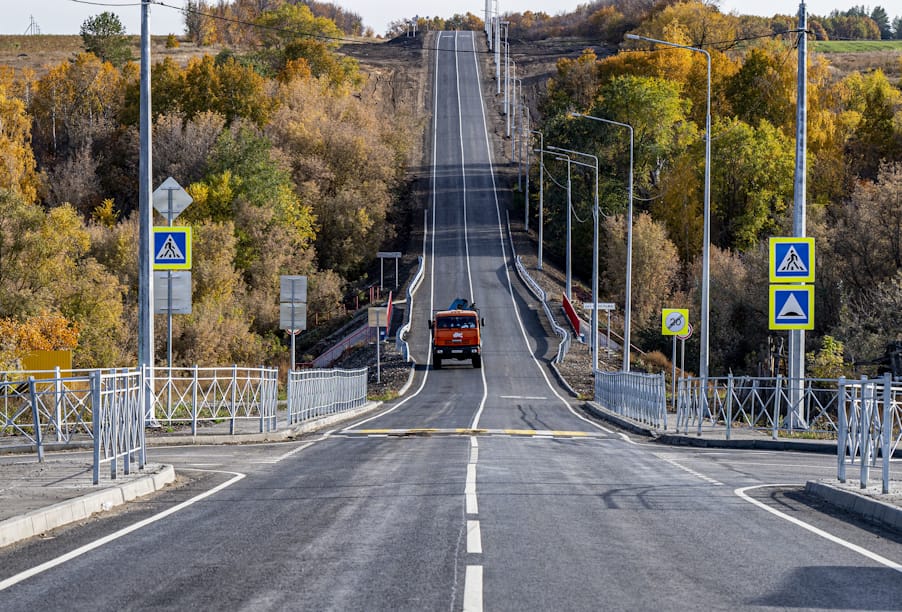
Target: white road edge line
741,493
43,567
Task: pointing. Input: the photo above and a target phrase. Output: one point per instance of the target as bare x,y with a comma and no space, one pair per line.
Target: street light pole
594,334
541,193
706,237
518,128
627,310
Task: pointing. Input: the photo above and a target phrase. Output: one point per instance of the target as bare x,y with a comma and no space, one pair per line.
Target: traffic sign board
180,301
172,248
674,321
292,288
791,307
600,305
688,333
791,260
170,199
293,316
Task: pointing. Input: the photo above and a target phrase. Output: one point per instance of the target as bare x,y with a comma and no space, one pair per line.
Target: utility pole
145,214
797,336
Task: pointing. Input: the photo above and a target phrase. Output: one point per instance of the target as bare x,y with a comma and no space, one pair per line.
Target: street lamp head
633,37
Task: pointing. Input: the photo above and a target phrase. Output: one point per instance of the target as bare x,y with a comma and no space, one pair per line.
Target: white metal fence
641,397
102,406
316,393
870,423
759,403
189,396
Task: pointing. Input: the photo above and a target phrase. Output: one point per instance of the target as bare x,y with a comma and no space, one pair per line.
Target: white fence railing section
641,397
104,406
183,396
401,334
870,423
760,403
317,393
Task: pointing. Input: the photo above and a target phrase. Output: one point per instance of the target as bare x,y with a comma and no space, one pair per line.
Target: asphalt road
410,509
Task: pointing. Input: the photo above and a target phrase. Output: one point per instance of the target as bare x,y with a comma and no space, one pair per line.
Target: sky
66,16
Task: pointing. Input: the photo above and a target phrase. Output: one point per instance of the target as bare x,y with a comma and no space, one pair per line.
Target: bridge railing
640,397
870,424
316,393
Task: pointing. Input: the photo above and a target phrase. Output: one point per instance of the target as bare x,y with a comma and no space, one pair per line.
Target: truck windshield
455,322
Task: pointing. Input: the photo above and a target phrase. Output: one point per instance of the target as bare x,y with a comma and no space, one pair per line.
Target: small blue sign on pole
172,248
791,307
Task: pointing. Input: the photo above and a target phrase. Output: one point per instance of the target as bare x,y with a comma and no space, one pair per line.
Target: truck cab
456,334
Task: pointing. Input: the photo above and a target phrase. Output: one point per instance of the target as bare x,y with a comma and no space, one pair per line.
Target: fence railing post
867,397
842,436
234,399
887,427
778,396
36,415
729,422
97,422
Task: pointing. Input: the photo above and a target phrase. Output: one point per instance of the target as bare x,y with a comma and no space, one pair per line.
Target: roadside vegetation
293,170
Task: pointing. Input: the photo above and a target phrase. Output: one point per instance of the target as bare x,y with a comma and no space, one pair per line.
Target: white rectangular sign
293,316
600,305
293,289
389,254
181,292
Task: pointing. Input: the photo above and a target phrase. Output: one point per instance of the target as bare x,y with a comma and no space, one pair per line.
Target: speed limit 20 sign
674,321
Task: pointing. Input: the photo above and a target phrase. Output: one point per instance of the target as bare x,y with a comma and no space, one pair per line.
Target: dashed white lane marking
699,475
43,567
474,538
741,493
473,589
522,397
470,490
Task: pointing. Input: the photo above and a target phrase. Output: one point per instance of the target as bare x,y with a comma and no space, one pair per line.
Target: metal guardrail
194,394
870,423
641,397
401,336
540,294
316,393
360,336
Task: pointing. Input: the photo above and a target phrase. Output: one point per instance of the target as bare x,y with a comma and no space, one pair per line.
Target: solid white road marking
741,492
43,567
522,397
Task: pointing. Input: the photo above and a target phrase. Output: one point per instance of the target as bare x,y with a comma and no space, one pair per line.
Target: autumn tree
18,172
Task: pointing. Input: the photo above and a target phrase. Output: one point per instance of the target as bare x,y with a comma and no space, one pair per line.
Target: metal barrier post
729,404
842,436
887,427
777,397
867,397
195,383
234,408
36,414
57,401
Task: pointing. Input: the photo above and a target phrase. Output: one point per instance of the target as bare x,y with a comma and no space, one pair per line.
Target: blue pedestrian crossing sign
172,248
791,260
791,307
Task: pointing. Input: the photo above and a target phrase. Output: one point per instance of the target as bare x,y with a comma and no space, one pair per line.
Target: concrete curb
870,509
40,521
620,421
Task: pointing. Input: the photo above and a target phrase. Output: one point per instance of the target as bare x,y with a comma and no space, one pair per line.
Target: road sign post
383,255
375,316
293,308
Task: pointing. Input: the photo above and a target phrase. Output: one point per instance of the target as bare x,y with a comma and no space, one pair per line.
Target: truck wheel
438,363
477,362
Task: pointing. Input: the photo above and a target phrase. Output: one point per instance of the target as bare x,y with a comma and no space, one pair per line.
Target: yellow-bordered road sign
791,307
172,248
791,260
674,321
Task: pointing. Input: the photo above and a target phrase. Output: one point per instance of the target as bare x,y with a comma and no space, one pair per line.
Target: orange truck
456,333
